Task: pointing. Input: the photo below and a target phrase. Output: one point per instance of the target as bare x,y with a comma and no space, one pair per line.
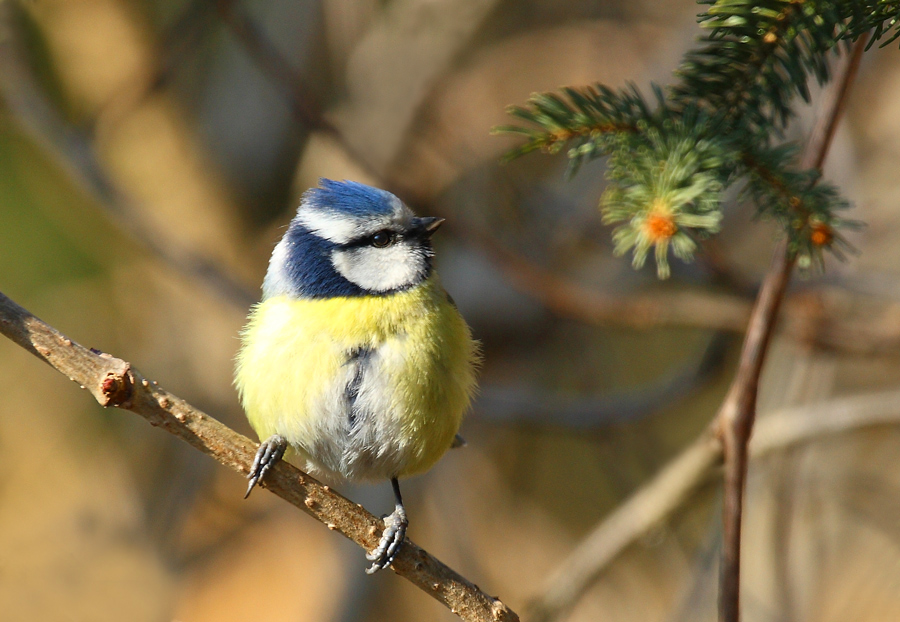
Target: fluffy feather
362,387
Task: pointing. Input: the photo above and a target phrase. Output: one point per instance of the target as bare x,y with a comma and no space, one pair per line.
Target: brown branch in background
567,298
727,435
273,64
74,152
735,419
628,522
303,106
695,309
183,36
659,498
75,155
113,382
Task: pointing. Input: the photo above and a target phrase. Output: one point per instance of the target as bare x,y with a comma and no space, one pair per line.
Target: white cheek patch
380,269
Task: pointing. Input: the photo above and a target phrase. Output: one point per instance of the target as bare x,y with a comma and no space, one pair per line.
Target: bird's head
349,239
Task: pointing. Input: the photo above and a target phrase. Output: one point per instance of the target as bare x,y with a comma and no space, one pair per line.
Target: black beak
428,225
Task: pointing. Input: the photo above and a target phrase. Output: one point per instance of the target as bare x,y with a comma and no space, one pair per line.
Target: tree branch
627,523
113,382
727,436
734,424
735,419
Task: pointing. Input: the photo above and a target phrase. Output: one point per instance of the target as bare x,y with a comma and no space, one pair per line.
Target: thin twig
735,419
735,424
113,382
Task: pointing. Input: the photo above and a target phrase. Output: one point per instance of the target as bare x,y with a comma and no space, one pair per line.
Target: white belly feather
358,422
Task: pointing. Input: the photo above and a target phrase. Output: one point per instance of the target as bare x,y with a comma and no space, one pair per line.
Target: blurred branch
113,382
178,39
274,65
628,522
726,438
265,54
525,406
809,314
569,299
735,419
659,498
74,153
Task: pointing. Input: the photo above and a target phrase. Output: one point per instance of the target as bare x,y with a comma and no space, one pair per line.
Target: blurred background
151,154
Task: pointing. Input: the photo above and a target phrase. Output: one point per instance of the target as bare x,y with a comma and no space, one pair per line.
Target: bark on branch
113,382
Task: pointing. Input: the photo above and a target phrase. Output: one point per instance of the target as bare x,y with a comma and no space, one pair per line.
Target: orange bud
659,226
822,234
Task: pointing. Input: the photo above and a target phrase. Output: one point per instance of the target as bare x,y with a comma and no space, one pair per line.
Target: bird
356,365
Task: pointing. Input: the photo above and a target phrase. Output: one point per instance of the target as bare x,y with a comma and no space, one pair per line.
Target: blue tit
356,362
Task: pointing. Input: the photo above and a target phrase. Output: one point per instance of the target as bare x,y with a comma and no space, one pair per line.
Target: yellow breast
297,361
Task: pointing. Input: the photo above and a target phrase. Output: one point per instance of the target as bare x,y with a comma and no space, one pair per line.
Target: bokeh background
151,154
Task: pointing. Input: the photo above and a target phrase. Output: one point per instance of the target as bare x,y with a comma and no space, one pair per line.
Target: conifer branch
670,163
727,438
113,382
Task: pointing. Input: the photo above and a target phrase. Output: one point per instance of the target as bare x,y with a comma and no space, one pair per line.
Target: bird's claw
269,452
394,533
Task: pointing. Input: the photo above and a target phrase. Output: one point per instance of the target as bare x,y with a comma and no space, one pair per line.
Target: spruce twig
670,162
726,438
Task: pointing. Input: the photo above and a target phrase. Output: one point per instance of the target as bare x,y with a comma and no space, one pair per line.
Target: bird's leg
269,452
394,532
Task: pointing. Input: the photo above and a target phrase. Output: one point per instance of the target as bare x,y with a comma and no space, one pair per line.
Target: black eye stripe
369,240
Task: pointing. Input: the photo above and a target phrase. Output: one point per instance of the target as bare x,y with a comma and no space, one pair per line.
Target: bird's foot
269,452
394,532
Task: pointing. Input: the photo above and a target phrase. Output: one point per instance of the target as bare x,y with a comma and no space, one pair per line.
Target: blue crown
350,197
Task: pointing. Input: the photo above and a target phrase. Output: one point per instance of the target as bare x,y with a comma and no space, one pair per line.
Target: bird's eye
382,239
